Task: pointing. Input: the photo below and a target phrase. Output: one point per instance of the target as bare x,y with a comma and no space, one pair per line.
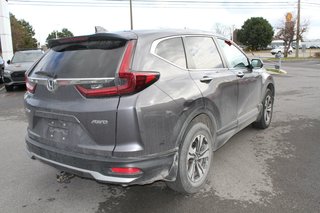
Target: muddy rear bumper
154,167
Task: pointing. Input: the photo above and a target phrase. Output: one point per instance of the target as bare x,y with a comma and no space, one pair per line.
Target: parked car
139,106
1,68
14,73
280,49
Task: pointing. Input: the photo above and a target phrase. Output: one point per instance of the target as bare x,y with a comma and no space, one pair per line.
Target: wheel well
201,117
271,87
204,118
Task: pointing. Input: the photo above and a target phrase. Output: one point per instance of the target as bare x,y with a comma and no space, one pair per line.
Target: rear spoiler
93,37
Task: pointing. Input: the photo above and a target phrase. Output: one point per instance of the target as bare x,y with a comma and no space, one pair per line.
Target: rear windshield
93,59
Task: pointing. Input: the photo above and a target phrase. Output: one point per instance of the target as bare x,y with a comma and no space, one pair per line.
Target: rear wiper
44,73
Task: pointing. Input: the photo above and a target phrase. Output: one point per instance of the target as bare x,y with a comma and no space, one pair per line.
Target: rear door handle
240,74
206,79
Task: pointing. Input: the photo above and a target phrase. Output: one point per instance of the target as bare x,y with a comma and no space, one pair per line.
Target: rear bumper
155,167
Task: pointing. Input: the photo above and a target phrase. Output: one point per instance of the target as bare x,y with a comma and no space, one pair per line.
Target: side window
172,50
202,53
234,56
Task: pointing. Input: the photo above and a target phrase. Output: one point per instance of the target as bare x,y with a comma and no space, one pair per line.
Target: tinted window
20,57
172,50
94,59
234,56
202,53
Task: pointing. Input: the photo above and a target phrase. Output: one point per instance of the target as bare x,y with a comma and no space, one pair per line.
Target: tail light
128,82
126,170
31,87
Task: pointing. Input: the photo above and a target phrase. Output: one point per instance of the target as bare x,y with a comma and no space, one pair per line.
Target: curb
280,72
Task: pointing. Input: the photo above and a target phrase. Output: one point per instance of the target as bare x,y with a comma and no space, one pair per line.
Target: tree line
256,33
23,34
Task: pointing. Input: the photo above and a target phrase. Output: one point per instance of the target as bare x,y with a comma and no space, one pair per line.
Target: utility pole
131,21
298,30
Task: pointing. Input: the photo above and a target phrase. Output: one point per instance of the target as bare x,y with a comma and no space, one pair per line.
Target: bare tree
287,31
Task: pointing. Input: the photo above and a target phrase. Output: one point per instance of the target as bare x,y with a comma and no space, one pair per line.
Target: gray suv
140,106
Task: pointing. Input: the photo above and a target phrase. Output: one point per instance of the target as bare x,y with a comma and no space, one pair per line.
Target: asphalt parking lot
274,170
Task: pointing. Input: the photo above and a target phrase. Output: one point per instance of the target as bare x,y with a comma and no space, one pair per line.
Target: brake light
128,82
126,170
31,87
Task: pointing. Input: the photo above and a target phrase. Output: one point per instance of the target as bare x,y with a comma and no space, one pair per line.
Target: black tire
9,88
267,111
199,164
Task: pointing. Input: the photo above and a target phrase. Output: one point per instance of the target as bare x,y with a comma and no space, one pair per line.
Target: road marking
1,88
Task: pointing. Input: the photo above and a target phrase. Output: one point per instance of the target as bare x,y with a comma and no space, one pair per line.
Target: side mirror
8,62
256,63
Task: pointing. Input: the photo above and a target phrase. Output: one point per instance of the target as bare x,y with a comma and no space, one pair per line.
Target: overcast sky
80,16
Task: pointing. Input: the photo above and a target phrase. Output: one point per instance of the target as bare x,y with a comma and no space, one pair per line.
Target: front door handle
240,74
206,79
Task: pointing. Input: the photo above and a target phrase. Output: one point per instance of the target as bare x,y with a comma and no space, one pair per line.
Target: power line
152,6
263,3
158,4
310,3
186,4
164,1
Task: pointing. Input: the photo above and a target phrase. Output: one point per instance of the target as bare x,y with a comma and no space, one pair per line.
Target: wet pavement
272,170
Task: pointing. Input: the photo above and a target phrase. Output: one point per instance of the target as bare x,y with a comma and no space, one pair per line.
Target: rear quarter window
172,50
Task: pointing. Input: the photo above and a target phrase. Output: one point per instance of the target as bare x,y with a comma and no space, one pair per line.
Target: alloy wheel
198,158
268,109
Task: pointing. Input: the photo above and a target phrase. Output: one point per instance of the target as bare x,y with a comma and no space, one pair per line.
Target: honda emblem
51,85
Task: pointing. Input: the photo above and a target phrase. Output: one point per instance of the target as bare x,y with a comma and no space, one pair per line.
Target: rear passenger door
217,84
249,82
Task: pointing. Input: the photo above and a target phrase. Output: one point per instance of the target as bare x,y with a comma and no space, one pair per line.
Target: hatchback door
72,104
217,84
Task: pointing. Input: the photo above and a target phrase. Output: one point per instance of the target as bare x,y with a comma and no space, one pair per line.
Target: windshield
20,57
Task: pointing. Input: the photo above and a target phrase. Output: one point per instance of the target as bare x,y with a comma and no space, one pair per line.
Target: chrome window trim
70,81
